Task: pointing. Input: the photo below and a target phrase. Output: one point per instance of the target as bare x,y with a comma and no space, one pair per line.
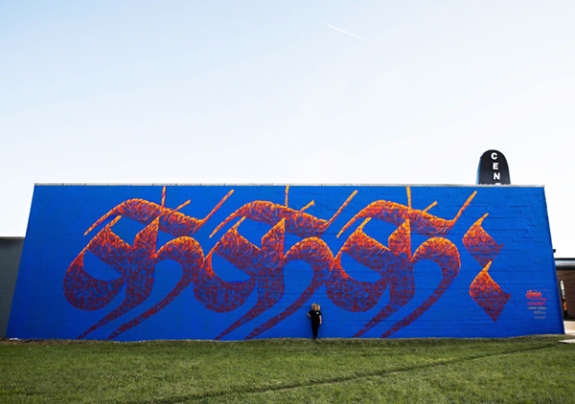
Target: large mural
241,262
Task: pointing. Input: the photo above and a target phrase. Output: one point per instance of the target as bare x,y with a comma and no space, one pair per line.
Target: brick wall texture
234,262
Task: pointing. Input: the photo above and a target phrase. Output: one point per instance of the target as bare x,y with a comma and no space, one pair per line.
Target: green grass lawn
516,370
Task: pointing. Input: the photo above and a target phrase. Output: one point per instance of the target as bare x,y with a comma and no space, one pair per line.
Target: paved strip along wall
235,262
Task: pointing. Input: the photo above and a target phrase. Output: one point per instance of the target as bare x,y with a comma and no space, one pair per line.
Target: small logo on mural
537,303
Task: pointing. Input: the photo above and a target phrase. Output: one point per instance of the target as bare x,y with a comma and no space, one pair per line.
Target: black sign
493,169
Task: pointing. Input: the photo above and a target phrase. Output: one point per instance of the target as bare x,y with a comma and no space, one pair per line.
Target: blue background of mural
517,218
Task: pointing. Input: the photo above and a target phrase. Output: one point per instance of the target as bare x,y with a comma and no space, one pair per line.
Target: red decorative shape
480,244
484,290
487,294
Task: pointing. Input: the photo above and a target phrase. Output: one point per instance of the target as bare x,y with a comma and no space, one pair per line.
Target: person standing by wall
316,320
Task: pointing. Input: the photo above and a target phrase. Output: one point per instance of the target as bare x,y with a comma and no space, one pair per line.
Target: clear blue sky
289,92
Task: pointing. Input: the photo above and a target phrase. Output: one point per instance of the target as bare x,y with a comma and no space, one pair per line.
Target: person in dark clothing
315,315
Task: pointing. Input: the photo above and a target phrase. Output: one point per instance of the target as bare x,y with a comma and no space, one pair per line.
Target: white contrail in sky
342,31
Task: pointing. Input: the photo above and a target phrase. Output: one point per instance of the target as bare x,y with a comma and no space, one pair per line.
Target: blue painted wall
236,262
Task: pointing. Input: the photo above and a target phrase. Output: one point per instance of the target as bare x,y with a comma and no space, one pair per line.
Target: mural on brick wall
247,261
